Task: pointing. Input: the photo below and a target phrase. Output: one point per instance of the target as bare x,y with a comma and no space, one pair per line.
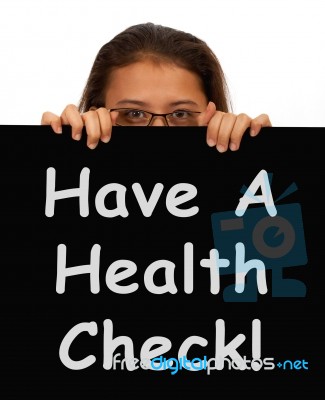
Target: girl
154,75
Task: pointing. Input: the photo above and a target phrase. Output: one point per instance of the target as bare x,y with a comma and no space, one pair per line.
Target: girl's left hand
225,130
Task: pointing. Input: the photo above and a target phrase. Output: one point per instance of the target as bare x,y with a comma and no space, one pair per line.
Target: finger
71,116
49,118
225,130
213,128
105,124
91,121
242,123
258,123
205,117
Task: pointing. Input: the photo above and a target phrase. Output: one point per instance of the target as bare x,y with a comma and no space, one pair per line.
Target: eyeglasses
132,117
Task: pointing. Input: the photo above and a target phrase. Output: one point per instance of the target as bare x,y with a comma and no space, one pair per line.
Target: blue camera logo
277,241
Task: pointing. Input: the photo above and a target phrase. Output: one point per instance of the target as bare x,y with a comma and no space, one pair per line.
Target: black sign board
155,246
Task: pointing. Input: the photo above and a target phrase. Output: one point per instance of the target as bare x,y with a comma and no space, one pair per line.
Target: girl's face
155,87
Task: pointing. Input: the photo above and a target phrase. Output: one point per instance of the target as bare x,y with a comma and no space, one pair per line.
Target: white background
272,51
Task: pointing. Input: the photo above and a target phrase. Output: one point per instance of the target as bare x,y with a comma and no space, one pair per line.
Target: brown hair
158,42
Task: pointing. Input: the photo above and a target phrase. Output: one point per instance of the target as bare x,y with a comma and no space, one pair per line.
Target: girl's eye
135,114
181,114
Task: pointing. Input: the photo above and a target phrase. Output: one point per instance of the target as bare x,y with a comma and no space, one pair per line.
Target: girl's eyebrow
131,101
183,101
144,104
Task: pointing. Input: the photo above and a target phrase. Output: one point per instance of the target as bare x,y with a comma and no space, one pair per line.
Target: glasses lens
183,118
130,117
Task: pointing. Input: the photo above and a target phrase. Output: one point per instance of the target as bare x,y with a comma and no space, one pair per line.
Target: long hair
160,43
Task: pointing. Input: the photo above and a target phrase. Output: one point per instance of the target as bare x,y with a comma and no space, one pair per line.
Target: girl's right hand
98,123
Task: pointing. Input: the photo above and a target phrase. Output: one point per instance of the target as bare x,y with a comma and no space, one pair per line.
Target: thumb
205,116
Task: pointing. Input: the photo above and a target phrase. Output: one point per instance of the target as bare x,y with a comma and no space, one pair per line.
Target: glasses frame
153,115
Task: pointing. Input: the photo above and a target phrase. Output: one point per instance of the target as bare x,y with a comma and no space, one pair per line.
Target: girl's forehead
149,68
149,81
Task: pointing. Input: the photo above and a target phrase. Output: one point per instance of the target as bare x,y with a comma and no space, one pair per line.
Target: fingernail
233,146
77,136
221,148
106,139
253,133
58,129
211,142
92,145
